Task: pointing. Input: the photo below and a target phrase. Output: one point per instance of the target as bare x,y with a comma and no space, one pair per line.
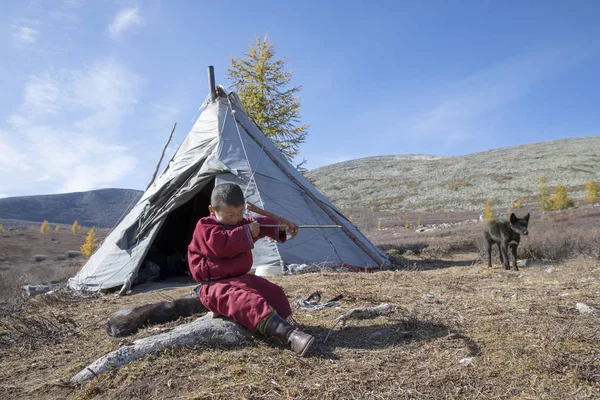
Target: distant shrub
488,214
75,227
45,228
591,191
91,242
560,200
1,228
519,203
419,221
570,242
57,228
378,225
407,225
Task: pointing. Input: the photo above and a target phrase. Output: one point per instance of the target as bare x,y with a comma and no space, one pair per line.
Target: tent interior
169,249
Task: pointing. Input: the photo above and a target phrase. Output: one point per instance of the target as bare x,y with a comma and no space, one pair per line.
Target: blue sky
89,90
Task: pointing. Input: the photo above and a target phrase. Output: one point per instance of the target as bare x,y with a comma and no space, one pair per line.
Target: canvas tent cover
225,145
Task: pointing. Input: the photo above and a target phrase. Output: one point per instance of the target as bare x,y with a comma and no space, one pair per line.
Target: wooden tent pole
161,157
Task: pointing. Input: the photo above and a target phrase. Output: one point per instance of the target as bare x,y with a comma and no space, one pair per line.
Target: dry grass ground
518,334
18,246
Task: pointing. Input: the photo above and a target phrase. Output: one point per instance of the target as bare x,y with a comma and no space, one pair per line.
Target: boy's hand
290,227
254,228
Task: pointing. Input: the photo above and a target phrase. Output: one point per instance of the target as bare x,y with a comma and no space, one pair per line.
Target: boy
220,257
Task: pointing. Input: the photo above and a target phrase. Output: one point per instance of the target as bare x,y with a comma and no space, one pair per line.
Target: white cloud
126,19
104,173
42,96
11,160
64,135
44,177
24,34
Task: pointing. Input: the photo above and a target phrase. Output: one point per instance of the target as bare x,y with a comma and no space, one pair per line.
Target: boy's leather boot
288,334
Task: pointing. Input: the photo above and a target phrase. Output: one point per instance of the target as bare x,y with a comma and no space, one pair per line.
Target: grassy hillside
429,183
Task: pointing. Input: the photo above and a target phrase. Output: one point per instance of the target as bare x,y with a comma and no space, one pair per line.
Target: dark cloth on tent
220,257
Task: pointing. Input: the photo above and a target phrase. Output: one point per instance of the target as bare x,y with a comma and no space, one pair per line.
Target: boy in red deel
220,257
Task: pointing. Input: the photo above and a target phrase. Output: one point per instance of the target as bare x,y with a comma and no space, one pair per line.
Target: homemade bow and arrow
251,207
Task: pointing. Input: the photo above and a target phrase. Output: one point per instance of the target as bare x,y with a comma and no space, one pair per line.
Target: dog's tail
129,320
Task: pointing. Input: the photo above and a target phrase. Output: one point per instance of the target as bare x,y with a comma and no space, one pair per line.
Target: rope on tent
379,260
252,179
252,170
369,252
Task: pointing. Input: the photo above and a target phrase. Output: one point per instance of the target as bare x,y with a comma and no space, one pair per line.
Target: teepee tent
225,145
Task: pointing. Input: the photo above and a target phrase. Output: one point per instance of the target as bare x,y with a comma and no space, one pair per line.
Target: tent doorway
169,249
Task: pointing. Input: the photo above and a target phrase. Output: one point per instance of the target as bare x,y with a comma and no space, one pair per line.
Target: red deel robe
221,257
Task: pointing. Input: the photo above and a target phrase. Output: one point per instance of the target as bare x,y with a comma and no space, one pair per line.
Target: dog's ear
526,217
513,218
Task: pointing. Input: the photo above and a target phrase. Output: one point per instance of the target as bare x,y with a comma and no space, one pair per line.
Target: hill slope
101,208
430,183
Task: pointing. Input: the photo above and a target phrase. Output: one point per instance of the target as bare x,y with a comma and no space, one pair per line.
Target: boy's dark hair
226,194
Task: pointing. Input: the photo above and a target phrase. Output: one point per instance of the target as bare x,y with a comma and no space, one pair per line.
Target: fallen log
206,330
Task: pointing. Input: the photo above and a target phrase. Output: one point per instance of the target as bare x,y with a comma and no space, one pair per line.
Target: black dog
504,234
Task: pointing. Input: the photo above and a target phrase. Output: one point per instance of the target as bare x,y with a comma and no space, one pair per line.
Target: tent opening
167,257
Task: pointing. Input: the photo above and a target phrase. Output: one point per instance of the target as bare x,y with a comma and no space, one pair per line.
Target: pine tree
261,83
543,197
91,242
45,227
75,227
488,214
591,191
560,200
